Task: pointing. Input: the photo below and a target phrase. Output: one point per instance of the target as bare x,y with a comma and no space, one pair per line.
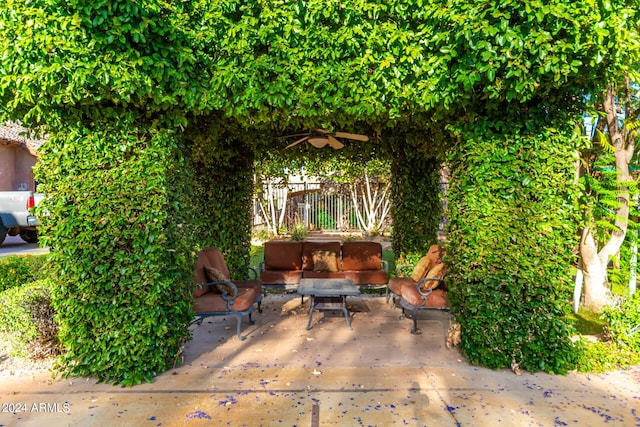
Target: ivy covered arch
155,111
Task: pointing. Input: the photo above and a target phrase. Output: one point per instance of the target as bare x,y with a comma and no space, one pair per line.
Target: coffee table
328,294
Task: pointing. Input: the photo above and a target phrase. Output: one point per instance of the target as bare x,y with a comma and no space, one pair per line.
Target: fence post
305,199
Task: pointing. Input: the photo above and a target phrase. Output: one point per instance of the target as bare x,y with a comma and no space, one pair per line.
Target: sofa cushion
253,284
323,275
214,275
280,277
437,272
282,255
215,303
325,261
421,268
366,277
361,256
427,262
437,298
397,283
211,257
200,290
309,247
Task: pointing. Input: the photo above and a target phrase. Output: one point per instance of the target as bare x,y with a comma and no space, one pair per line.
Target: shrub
599,356
510,242
17,270
299,232
623,323
26,318
621,345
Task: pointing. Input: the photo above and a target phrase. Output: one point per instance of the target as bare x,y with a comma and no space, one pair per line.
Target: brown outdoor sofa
424,289
286,262
217,295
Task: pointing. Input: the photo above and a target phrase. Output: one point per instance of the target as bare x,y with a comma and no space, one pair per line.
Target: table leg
346,312
312,304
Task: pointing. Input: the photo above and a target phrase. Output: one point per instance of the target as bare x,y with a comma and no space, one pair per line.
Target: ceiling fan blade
297,142
355,136
334,143
322,131
292,135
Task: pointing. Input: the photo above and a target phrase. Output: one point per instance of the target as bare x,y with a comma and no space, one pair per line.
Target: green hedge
223,188
122,224
16,270
511,237
623,322
416,196
26,320
119,226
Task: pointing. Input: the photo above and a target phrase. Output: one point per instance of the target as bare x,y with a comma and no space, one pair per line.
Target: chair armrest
428,291
225,295
385,266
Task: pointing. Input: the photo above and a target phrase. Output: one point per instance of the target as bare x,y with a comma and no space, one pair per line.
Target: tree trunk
596,293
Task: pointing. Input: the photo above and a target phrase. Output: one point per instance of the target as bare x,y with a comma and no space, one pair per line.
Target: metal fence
316,205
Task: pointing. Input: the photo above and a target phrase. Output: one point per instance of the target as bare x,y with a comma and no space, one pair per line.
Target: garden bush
17,270
511,244
623,323
602,356
27,320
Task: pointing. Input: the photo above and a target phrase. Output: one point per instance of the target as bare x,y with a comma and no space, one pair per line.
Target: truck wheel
3,233
29,236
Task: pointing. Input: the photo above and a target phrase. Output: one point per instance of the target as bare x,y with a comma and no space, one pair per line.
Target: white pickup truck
16,215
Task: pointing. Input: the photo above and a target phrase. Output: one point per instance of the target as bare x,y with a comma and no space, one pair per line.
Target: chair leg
414,314
239,326
259,301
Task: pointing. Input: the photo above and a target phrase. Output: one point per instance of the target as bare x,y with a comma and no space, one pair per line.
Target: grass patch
587,322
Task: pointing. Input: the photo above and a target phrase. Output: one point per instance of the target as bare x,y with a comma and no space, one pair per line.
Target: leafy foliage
26,320
621,347
511,238
623,322
124,308
113,82
416,201
223,190
18,270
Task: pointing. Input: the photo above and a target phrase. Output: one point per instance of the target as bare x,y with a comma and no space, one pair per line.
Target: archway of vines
156,110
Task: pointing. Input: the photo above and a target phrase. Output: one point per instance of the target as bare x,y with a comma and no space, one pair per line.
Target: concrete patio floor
377,374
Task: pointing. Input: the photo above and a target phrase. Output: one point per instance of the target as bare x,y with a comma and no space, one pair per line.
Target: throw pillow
437,272
421,268
324,261
215,275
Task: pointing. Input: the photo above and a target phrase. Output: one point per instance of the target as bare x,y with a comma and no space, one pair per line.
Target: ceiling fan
322,137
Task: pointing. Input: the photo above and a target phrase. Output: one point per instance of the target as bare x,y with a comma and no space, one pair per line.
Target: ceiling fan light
318,141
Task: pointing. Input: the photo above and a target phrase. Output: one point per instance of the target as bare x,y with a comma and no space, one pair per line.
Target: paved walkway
378,374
